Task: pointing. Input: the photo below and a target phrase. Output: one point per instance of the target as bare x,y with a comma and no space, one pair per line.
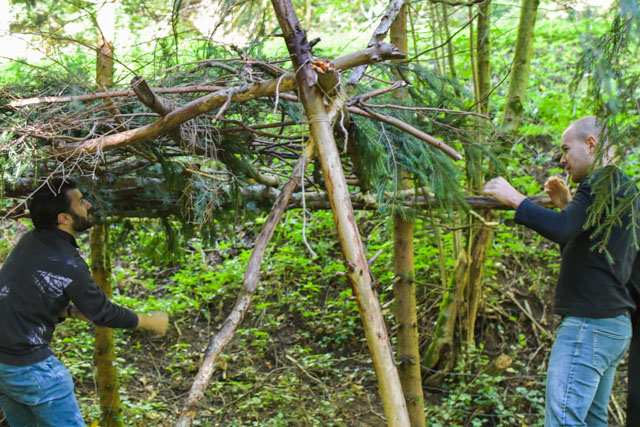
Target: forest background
182,212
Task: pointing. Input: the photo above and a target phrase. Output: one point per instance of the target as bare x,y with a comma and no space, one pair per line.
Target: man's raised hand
558,191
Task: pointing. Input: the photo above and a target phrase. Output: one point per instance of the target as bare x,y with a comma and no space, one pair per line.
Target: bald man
592,293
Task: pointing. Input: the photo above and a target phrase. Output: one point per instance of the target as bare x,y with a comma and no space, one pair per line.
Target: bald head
583,128
579,143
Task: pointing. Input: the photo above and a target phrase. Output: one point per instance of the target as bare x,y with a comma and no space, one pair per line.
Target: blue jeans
39,395
582,367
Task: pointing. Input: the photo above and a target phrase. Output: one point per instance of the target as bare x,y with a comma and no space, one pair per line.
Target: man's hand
72,312
156,322
503,191
558,191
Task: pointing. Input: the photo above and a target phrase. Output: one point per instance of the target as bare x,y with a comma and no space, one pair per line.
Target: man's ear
63,218
592,142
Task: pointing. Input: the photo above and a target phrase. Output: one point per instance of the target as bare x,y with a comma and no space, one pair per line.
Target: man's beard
81,224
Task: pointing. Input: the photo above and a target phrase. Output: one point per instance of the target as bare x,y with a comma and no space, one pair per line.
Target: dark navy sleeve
634,285
558,226
94,304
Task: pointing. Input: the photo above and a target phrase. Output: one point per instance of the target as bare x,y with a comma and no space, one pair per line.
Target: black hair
48,201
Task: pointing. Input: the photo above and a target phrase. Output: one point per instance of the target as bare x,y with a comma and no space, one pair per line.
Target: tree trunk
514,106
407,352
353,249
442,350
480,236
104,345
105,21
450,48
484,65
467,285
479,239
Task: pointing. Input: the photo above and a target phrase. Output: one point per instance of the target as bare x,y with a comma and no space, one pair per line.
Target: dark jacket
39,278
590,283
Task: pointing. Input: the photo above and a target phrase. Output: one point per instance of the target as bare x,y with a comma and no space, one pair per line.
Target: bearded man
41,277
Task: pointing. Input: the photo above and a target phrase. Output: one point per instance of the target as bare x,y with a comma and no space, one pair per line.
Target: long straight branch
397,123
410,130
359,273
25,102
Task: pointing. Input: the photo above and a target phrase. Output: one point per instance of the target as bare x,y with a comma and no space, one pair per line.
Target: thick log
158,105
125,194
352,247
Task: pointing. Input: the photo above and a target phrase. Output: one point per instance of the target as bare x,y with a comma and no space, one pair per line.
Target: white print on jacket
35,336
49,283
4,292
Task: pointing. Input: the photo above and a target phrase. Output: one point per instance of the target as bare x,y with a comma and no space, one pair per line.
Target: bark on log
251,276
130,191
497,366
156,104
352,247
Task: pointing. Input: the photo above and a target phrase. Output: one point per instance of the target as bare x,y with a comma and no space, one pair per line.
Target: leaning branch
393,122
251,276
408,129
378,36
25,102
163,107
